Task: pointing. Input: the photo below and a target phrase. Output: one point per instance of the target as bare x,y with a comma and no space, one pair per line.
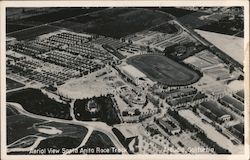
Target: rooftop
240,93
214,108
239,127
133,71
235,103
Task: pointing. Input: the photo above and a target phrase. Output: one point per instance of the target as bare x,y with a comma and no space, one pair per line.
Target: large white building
133,74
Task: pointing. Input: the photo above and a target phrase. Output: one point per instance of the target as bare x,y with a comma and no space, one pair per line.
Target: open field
11,84
233,46
166,28
43,105
164,70
45,17
19,126
177,12
58,15
116,22
193,20
32,33
15,27
226,26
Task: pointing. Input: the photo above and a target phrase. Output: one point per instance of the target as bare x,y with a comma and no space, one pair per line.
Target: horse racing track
164,70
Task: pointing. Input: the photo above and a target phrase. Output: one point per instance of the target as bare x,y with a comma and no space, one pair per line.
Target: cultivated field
15,27
62,13
115,22
164,70
32,33
177,12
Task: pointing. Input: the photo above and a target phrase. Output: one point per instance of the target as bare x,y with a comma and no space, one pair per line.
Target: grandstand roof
133,71
235,103
214,108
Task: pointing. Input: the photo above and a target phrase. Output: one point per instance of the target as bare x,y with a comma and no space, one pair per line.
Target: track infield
164,70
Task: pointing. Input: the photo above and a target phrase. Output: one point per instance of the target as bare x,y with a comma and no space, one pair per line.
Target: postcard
124,80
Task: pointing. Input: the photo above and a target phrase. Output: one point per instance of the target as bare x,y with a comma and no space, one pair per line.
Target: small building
169,126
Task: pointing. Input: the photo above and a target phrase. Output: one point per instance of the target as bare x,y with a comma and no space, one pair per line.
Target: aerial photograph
124,80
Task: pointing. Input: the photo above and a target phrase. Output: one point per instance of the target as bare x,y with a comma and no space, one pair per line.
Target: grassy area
59,143
164,70
11,111
19,126
11,84
70,130
99,140
43,105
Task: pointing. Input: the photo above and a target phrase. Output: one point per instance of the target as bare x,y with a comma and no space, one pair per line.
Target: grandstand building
133,74
232,103
214,112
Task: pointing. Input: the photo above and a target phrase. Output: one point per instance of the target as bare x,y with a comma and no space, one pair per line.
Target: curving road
91,126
